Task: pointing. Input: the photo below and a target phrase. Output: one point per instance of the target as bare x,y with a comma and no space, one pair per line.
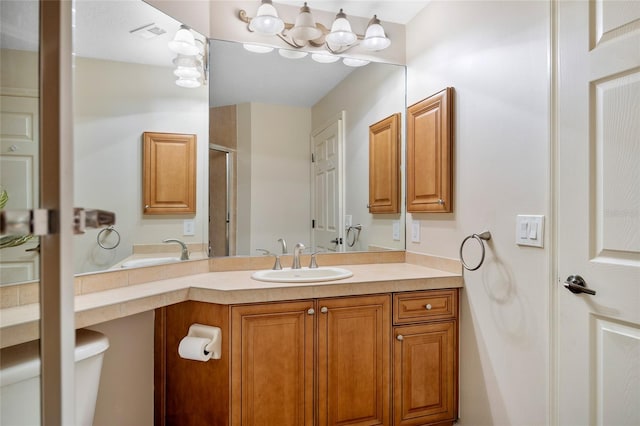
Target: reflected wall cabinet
430,154
169,173
384,165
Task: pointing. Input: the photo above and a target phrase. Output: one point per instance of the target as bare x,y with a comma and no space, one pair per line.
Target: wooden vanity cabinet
354,366
309,362
272,353
425,358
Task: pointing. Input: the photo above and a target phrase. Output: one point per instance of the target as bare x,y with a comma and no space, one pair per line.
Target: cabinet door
169,173
384,165
425,379
354,360
430,154
272,364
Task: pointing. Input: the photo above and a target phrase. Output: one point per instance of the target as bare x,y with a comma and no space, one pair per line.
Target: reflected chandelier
306,32
191,61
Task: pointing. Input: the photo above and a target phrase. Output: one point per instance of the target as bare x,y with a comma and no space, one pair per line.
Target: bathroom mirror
19,133
287,103
124,86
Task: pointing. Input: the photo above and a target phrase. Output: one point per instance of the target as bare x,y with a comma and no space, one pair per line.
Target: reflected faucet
184,255
284,245
296,255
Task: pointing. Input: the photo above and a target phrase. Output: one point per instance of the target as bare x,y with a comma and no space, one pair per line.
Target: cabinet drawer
425,306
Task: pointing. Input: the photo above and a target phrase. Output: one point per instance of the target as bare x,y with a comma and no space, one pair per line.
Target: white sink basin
302,275
149,261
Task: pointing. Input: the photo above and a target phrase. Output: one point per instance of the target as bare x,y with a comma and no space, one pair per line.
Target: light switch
188,227
523,228
530,230
415,231
396,230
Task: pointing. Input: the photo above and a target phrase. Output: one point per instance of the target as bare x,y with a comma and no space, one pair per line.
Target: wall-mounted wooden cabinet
384,165
430,154
169,173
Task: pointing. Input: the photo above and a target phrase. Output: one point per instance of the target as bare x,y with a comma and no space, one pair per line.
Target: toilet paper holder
214,334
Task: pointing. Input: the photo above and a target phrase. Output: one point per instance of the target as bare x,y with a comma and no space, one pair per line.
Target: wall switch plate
530,230
396,230
189,227
348,220
415,231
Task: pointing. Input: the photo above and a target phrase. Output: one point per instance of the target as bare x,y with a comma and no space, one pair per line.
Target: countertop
20,323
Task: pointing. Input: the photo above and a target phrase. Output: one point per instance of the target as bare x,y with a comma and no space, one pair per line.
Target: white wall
274,167
115,103
495,56
125,396
368,95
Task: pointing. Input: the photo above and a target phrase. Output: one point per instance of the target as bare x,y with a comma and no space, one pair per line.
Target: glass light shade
189,83
292,54
183,42
187,72
256,48
375,38
324,59
267,21
341,33
305,27
187,61
353,62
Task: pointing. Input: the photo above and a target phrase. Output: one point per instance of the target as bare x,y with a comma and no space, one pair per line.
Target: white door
598,196
327,192
19,146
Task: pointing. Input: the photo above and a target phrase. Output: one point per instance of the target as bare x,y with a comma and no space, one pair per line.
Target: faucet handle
313,264
276,266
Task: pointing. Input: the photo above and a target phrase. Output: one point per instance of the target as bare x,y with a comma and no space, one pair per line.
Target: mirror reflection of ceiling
19,25
105,33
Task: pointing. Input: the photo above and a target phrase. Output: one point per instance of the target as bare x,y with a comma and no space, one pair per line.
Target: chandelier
191,59
306,32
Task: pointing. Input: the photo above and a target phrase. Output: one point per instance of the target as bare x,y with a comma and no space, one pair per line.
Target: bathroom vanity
378,347
389,358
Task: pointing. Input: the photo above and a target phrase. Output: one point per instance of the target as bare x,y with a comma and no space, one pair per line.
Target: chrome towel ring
109,229
352,238
484,236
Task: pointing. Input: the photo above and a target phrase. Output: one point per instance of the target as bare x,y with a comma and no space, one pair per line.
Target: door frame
57,317
231,198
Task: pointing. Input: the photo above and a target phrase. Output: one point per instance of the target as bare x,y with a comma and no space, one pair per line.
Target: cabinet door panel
425,388
354,361
272,364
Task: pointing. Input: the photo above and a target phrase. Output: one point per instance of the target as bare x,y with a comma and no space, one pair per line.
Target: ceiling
103,31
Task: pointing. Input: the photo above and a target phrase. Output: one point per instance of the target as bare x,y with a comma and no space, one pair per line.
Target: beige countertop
20,323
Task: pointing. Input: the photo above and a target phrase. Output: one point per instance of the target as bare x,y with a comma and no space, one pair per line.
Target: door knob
576,284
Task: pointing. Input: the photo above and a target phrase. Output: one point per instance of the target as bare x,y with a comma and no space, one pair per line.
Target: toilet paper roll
194,348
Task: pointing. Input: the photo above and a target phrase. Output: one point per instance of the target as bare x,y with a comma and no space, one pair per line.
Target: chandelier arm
339,50
291,42
242,14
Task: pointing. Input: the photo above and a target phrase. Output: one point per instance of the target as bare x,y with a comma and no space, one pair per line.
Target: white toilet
20,380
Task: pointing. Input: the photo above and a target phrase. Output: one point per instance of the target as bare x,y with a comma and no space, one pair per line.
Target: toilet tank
20,380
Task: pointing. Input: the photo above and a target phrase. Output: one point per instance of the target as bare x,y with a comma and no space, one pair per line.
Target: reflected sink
149,261
302,275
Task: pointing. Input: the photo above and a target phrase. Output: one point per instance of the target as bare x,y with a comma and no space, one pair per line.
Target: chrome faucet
296,255
184,255
284,245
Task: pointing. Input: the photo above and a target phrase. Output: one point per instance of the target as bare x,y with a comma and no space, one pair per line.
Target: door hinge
313,158
313,224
